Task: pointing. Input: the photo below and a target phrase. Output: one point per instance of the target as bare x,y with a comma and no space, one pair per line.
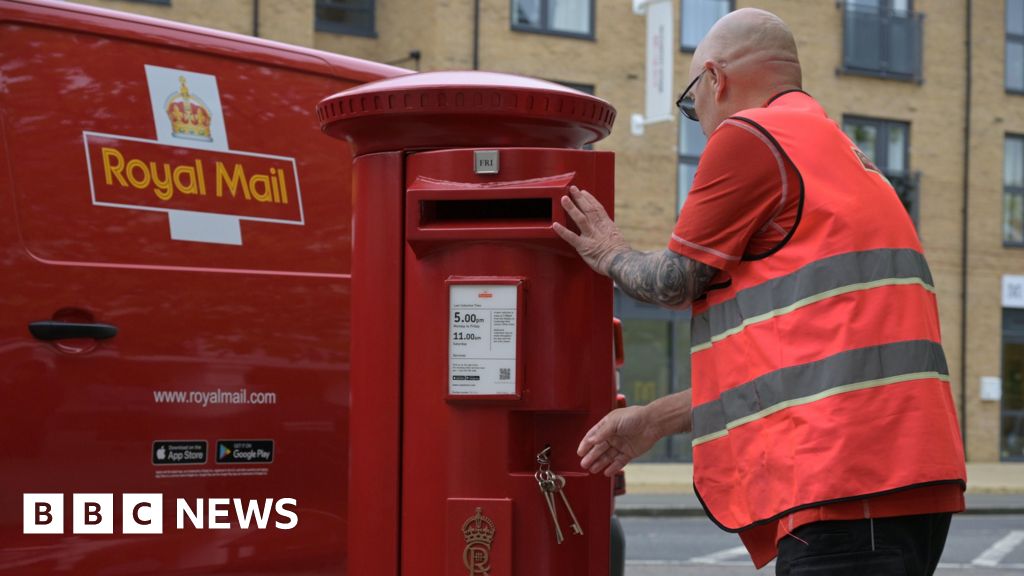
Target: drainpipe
256,18
963,226
476,34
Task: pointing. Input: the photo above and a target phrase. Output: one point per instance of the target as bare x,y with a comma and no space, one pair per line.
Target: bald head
755,52
752,39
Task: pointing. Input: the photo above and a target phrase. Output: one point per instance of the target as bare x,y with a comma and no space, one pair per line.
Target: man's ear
719,81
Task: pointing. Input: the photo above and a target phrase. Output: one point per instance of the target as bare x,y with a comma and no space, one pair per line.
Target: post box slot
509,211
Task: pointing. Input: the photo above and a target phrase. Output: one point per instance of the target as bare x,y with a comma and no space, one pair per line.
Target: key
547,488
560,488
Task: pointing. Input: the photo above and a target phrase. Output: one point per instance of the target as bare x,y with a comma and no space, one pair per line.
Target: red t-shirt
743,203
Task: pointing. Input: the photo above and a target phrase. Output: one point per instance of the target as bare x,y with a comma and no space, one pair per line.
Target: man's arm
663,278
626,433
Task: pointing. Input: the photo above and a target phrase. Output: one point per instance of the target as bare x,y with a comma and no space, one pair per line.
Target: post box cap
460,109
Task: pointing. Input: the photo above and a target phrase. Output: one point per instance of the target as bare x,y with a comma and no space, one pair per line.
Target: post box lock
485,161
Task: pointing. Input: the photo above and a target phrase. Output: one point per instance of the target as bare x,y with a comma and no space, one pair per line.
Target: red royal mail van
174,290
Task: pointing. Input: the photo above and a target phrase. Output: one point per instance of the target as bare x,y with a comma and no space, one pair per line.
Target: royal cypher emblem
479,533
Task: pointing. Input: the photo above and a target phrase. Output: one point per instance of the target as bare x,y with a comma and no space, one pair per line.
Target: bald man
823,426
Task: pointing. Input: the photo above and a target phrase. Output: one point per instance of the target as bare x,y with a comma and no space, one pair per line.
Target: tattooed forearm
663,278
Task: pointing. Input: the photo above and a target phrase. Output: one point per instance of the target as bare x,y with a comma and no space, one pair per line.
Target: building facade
931,90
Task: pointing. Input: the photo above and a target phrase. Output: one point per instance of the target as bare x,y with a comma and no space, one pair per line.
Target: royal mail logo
144,514
189,171
189,116
138,174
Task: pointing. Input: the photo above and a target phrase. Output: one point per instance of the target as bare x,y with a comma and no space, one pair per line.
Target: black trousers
899,546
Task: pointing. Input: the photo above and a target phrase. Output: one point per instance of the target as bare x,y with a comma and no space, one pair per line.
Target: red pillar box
478,336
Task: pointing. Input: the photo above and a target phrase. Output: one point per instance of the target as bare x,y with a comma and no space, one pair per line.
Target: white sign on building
1013,291
658,70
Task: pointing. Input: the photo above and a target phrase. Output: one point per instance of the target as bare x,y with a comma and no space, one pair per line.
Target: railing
907,186
881,42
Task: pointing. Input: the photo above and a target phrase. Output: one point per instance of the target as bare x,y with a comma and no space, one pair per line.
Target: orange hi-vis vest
818,371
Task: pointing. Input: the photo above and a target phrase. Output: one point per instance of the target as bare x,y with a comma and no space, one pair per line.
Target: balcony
882,42
907,186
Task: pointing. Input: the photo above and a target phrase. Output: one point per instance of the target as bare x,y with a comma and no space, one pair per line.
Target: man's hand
619,437
663,278
626,433
599,240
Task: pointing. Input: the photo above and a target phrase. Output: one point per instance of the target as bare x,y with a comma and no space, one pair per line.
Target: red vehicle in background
175,246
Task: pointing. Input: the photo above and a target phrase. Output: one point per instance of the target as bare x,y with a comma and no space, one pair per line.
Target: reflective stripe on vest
813,283
798,385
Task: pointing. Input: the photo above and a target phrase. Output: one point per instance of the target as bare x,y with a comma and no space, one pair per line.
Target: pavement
667,490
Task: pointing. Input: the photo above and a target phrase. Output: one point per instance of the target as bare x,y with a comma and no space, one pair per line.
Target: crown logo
479,532
189,116
478,529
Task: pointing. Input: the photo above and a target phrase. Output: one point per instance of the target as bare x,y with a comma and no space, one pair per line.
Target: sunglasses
685,102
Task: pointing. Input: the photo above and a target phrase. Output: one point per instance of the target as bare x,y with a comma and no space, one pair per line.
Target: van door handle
51,330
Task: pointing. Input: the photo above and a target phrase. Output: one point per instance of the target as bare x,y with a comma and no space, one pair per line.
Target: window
691,146
1012,409
345,17
696,19
563,17
882,38
585,88
1013,191
657,344
1015,45
886,143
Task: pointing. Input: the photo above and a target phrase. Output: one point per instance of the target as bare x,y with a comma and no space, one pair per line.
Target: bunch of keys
551,483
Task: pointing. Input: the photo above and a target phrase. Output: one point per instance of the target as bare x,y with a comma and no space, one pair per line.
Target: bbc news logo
144,513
